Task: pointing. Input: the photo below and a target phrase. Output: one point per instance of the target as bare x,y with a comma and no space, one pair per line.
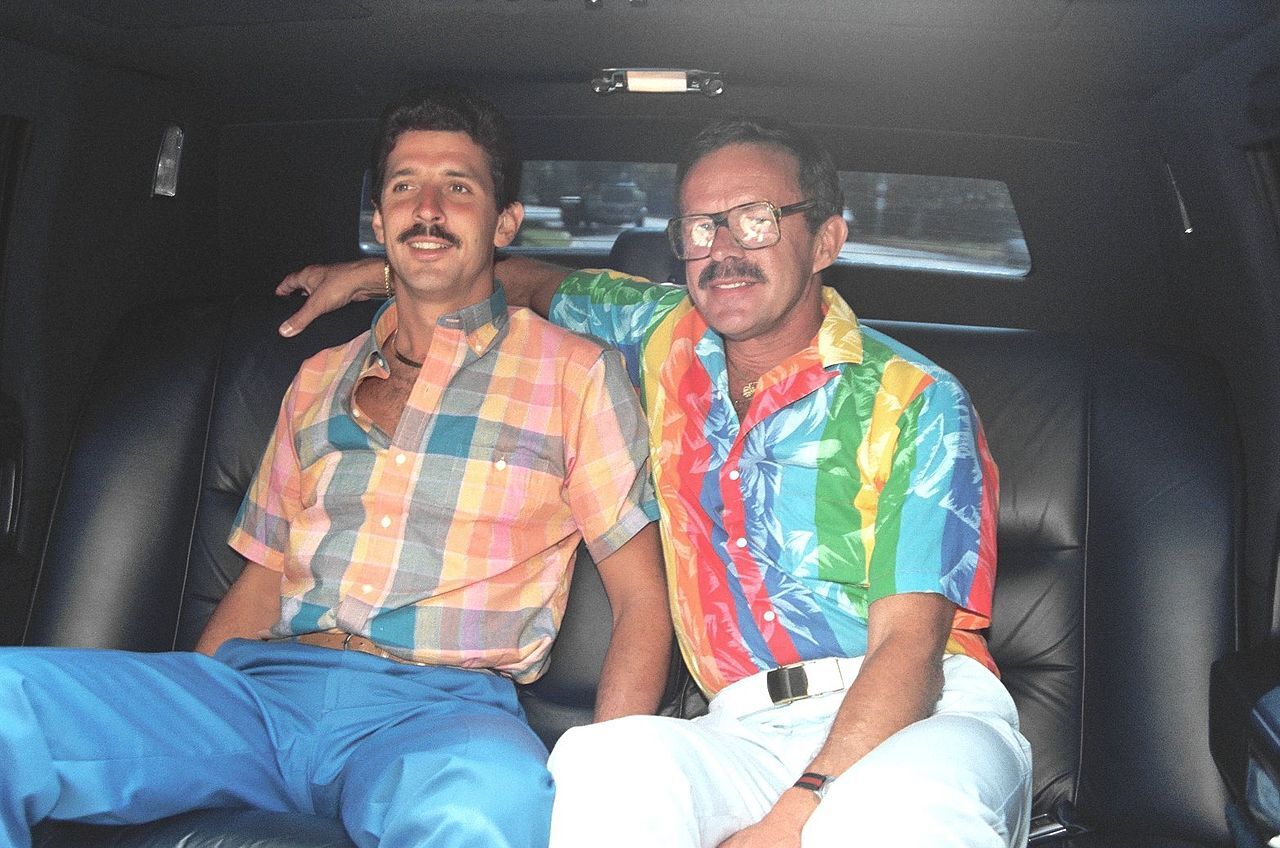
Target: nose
724,244
428,208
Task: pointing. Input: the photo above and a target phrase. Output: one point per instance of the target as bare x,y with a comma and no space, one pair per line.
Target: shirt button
500,464
386,521
400,459
355,413
742,543
734,475
769,615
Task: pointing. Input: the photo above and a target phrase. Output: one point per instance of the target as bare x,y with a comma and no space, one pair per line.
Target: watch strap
815,782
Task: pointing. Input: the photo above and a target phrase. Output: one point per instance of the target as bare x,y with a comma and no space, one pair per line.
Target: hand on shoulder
329,287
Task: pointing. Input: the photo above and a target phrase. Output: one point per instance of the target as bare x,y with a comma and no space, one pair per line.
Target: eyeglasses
752,225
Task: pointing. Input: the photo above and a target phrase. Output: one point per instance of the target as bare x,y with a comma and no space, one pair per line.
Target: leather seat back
1116,557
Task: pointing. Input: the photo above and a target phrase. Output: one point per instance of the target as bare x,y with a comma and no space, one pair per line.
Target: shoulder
617,288
538,336
322,369
886,354
334,358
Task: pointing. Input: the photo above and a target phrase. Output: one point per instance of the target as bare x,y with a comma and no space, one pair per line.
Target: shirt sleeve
618,310
607,481
936,516
261,530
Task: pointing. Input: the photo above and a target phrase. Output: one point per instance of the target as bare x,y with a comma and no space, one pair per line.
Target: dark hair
817,170
450,109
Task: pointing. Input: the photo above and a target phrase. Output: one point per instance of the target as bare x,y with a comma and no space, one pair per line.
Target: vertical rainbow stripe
860,471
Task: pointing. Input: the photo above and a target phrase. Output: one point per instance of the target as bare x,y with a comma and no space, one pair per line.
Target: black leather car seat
1116,550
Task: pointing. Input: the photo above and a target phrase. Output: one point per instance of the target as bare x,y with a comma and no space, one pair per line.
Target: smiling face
439,221
771,296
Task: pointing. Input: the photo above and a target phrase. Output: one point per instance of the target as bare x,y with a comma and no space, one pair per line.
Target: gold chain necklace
749,389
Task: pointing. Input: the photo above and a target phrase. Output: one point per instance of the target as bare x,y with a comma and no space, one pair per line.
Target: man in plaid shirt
409,539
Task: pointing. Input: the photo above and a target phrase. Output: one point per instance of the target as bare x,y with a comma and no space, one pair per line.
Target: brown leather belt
342,641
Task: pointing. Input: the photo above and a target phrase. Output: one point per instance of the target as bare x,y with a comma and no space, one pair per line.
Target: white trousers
961,777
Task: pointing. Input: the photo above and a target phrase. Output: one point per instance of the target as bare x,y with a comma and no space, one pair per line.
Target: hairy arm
250,607
528,282
899,683
635,667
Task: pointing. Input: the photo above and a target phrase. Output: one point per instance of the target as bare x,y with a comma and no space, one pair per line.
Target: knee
20,701
623,749
510,804
960,781
504,803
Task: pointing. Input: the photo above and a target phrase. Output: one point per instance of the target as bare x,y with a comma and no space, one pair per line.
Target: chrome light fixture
168,161
658,80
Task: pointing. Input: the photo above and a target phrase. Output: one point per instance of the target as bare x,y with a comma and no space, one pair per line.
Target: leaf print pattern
861,471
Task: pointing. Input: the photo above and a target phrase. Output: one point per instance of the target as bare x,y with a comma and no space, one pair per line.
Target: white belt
767,689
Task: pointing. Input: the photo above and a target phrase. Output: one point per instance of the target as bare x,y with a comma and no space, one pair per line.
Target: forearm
635,666
530,282
897,685
248,610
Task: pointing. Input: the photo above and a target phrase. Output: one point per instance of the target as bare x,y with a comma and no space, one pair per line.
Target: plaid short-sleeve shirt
451,540
859,471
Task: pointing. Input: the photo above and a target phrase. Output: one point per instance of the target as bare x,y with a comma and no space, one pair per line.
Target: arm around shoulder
330,287
530,282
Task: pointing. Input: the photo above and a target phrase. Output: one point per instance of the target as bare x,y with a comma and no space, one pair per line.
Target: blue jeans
412,755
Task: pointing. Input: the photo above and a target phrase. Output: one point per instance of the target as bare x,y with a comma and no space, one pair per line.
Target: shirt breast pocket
511,484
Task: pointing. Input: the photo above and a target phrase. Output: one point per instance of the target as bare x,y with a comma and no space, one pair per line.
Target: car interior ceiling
1099,115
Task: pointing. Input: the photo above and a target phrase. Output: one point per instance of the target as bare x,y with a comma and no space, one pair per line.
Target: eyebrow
408,171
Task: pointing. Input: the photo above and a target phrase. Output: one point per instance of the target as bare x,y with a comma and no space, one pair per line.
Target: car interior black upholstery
1116,548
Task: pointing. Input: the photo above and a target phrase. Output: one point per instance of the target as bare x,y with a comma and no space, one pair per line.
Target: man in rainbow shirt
828,510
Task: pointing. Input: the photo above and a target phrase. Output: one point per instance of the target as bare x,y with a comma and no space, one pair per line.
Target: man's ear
509,221
378,232
827,242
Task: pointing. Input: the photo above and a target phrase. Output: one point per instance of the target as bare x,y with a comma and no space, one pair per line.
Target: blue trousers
402,754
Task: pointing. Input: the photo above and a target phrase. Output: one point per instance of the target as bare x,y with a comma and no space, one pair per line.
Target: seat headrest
646,253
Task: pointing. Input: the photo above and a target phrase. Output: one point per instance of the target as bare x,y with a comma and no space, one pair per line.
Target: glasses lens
754,225
692,235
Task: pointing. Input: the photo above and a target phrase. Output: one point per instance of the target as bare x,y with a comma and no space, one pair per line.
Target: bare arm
528,282
635,667
250,607
899,683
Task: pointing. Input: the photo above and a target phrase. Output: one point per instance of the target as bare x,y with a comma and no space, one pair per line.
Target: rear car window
933,223
913,221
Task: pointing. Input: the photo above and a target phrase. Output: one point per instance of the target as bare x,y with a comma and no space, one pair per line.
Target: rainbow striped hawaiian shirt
860,471
451,540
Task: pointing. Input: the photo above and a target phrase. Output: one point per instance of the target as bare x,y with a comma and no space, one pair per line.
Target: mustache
735,267
421,230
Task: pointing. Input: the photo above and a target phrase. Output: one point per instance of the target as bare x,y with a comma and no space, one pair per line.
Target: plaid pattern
859,472
451,540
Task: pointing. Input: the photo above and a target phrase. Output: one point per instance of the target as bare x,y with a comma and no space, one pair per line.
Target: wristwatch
815,783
